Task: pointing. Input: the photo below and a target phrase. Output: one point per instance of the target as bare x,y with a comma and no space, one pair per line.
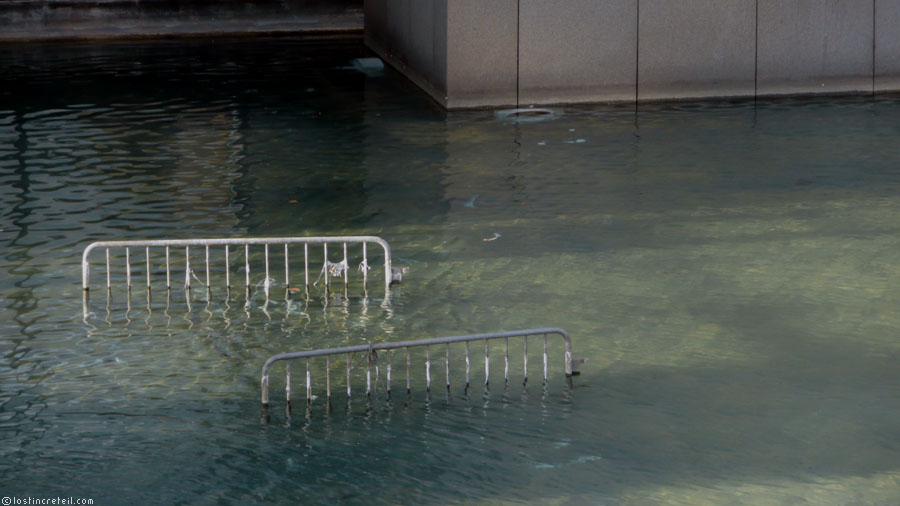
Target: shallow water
727,268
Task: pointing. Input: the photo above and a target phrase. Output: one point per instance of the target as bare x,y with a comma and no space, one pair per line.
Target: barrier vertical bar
287,381
308,384
325,267
128,268
266,282
368,374
365,266
287,282
390,359
328,378
428,369
247,266
487,363
348,375
207,271
467,364
227,270
168,281
264,389
525,366
545,358
506,362
346,267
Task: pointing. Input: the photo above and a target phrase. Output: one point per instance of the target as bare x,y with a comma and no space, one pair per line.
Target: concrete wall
414,36
815,45
696,48
585,50
411,35
520,52
887,45
481,52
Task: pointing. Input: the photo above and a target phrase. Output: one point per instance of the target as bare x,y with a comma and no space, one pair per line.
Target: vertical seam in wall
435,71
874,27
518,32
408,50
444,36
637,53
756,56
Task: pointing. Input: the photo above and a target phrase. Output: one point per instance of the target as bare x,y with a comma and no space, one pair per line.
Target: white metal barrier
572,365
329,269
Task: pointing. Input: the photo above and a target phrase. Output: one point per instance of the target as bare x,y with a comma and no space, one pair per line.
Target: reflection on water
727,269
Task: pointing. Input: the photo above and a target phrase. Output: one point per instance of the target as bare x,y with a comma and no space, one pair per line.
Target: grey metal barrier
329,269
572,365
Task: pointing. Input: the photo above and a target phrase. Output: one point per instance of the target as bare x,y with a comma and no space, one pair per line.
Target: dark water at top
729,269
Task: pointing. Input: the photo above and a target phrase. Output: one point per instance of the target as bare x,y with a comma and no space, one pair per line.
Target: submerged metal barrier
572,365
329,269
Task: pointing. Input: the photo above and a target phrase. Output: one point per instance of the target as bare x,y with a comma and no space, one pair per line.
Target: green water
728,269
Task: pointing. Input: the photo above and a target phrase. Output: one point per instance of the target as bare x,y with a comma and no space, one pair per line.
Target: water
728,270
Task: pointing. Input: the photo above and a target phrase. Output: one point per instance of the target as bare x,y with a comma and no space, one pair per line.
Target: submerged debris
397,274
335,269
371,67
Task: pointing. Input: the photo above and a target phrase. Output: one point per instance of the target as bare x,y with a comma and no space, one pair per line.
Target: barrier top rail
572,365
336,269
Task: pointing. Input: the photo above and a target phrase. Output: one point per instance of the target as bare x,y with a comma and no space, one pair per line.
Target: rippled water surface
730,271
